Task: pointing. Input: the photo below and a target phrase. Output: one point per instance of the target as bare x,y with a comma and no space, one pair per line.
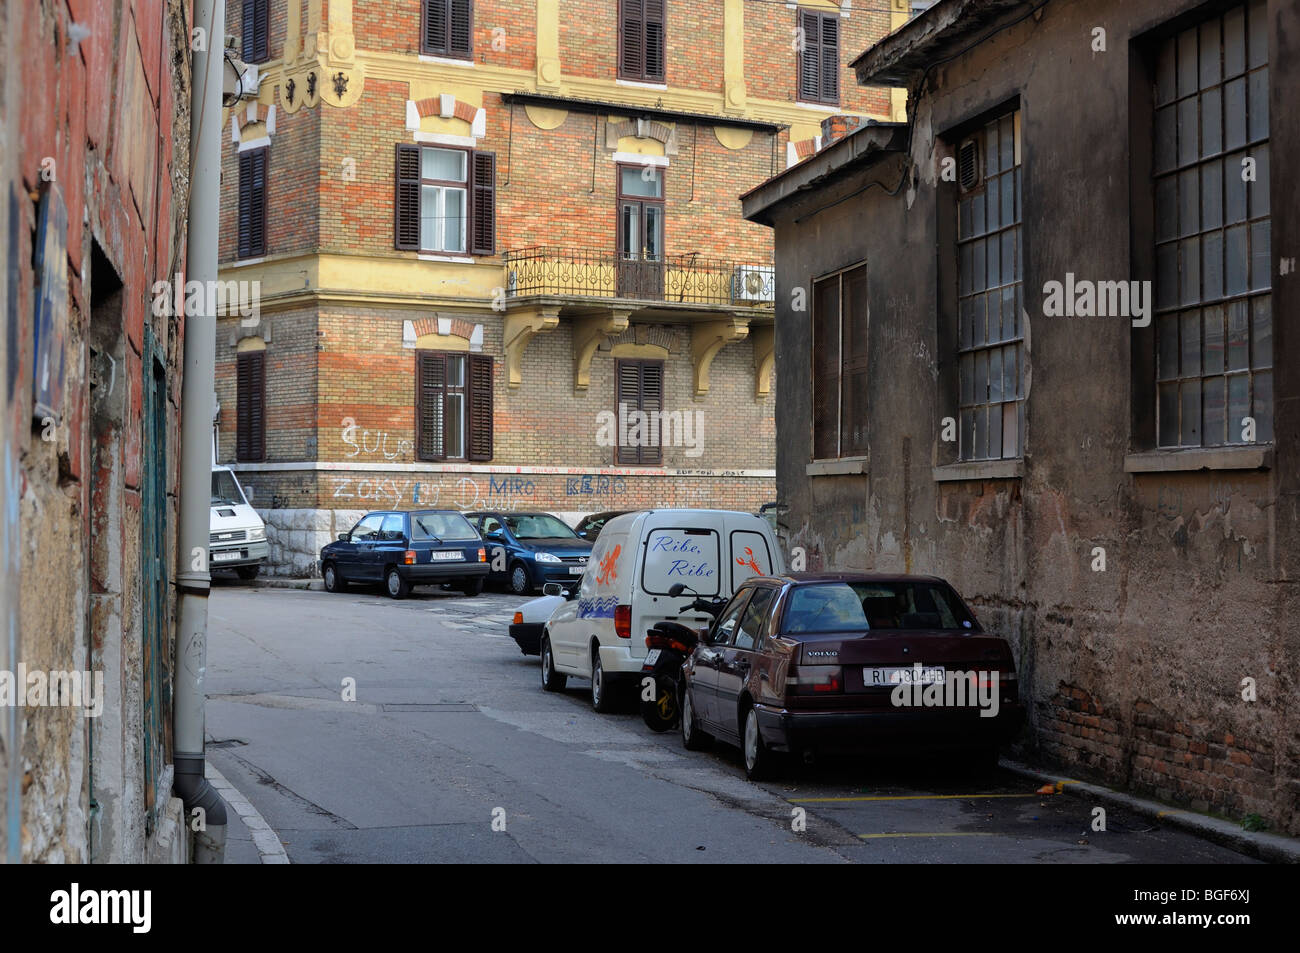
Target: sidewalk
1273,848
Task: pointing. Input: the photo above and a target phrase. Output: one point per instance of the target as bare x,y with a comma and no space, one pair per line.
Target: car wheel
471,587
520,584
248,573
982,759
693,739
758,759
333,581
395,585
602,699
552,681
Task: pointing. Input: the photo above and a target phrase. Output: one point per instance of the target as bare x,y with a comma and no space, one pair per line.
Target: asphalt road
451,752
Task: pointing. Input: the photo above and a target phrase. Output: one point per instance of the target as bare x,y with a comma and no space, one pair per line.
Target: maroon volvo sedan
849,661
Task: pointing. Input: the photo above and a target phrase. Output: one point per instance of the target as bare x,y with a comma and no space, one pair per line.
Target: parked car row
405,548
793,665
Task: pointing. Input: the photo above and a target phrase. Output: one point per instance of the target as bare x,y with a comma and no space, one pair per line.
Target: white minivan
637,558
237,535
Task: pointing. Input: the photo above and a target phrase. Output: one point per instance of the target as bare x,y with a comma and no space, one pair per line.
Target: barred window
990,250
1214,316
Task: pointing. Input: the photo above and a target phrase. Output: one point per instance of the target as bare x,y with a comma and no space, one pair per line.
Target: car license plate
577,570
652,656
889,677
456,554
226,556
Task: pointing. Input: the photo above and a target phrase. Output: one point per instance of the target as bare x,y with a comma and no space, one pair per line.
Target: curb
272,582
265,840
1261,845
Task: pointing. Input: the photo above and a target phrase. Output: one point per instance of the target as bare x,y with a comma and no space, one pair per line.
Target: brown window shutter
654,39
252,203
430,404
652,401
483,227
461,29
480,407
406,199
255,30
830,59
632,38
640,386
810,70
433,19
250,406
854,361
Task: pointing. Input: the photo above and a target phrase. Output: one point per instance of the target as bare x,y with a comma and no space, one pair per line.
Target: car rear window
689,556
441,526
849,606
539,526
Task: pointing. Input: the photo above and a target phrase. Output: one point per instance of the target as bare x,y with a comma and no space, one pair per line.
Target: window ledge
980,470
449,60
844,465
1206,458
640,84
818,107
457,259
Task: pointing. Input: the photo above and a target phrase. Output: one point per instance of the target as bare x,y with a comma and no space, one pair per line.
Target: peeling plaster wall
1133,674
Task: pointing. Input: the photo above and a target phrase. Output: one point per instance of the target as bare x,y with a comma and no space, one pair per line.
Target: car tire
519,582
759,759
552,681
982,759
334,582
693,738
471,587
602,696
395,585
248,573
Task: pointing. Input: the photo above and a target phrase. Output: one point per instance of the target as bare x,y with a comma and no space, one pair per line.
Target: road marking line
903,797
940,834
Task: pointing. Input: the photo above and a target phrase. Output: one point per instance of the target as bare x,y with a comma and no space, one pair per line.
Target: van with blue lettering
599,633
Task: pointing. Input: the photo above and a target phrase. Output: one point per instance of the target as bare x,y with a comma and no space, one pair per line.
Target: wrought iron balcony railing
689,279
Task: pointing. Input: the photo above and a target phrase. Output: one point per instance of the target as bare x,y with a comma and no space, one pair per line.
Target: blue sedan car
405,549
538,548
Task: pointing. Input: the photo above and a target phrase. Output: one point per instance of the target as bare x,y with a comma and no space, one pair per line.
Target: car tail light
410,557
482,555
623,622
815,679
519,618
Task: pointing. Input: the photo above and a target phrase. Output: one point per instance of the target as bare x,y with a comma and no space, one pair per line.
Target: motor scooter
669,644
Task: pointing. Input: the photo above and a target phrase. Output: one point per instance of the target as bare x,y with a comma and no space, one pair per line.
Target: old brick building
480,227
94,122
1113,482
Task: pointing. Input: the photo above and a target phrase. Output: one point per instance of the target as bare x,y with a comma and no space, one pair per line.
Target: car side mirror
345,537
554,589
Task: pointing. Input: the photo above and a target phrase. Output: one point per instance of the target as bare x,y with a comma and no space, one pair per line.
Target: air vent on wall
968,165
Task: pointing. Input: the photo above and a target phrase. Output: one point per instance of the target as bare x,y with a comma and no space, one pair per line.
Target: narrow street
450,724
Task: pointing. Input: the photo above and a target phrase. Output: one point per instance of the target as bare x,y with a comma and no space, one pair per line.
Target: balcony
543,271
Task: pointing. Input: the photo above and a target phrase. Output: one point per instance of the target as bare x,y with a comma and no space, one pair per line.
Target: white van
238,536
637,558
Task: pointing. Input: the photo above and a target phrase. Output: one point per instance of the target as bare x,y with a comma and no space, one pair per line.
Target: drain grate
451,706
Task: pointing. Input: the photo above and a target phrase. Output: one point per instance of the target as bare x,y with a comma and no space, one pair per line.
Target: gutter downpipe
193,584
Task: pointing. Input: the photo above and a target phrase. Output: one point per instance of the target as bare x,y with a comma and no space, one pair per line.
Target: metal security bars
990,248
1214,316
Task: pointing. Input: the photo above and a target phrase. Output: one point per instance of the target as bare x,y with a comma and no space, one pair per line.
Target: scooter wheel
660,713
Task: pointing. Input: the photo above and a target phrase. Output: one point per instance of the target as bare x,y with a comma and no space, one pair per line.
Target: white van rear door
750,556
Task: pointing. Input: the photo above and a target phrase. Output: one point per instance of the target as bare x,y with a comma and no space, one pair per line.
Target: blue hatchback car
405,549
539,548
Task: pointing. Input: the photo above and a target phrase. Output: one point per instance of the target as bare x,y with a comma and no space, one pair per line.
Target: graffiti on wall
374,442
594,484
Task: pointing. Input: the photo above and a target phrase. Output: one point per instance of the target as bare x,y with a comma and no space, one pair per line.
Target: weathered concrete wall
99,116
1133,674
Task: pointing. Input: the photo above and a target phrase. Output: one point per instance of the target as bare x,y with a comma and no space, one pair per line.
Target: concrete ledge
1273,848
839,467
1216,458
980,470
